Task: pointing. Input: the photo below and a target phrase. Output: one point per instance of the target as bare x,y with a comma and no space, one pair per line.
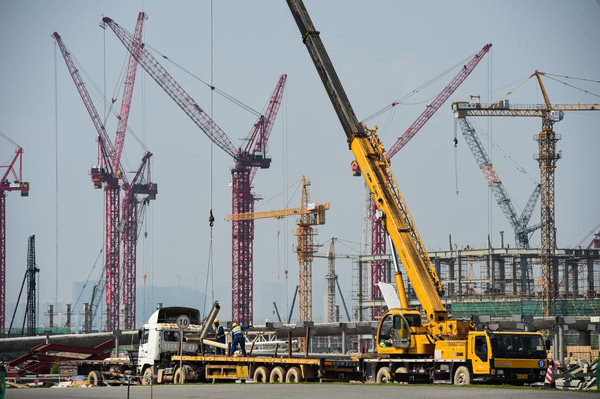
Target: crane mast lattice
247,161
547,157
12,180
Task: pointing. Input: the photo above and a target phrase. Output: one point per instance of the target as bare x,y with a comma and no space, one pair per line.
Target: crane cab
401,332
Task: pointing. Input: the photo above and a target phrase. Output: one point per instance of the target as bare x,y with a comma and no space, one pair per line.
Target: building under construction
499,282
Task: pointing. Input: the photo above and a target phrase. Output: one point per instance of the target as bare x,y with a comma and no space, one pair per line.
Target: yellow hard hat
234,324
216,321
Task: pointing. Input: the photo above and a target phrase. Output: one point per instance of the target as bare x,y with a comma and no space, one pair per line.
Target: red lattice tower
140,185
112,198
12,180
242,243
110,173
247,161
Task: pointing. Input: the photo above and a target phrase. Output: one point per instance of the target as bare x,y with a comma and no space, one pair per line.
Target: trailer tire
293,376
179,376
261,374
147,376
462,376
277,375
95,378
384,375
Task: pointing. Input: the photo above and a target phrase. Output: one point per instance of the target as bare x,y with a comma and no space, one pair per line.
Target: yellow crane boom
310,215
277,214
373,164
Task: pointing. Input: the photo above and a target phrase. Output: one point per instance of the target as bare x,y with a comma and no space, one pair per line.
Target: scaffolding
500,282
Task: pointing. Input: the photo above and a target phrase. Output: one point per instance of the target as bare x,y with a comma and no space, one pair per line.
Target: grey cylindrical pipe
210,319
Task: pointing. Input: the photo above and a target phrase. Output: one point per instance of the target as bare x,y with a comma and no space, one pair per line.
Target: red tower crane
140,185
247,160
12,180
108,171
378,235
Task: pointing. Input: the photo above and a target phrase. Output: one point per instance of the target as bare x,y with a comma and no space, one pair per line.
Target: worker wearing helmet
219,335
238,338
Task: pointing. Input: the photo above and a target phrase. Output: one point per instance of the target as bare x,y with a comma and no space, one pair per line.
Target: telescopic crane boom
374,166
378,240
401,334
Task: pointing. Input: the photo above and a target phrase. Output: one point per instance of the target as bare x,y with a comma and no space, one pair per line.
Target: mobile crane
442,349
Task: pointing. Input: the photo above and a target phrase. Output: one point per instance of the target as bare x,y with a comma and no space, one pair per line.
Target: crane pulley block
355,168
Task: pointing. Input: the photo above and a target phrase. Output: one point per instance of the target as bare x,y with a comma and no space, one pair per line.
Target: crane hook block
211,219
355,168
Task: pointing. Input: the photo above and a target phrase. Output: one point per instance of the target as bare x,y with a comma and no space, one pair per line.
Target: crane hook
211,219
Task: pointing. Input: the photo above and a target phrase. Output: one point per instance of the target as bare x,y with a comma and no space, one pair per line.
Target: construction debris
578,377
10,384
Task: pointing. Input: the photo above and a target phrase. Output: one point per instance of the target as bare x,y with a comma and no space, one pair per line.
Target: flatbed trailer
262,369
367,368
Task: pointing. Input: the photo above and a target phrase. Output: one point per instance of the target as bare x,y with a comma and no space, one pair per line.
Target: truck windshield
517,346
414,320
171,336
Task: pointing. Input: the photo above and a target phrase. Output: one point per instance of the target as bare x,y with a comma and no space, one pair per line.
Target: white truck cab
159,337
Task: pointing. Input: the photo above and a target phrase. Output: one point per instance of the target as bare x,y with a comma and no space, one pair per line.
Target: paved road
323,391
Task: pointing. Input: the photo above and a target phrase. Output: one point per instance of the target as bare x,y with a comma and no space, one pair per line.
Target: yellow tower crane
547,157
310,215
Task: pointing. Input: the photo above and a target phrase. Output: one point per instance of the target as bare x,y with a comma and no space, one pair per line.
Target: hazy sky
381,49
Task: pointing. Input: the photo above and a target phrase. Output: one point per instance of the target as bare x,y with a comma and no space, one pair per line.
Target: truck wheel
293,376
462,376
261,374
95,378
147,376
277,375
384,375
179,376
401,374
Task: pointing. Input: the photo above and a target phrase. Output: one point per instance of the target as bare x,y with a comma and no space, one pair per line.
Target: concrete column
555,279
575,278
590,275
514,276
524,276
585,338
555,342
459,277
50,316
451,278
360,293
488,261
566,268
561,343
68,314
87,323
438,267
493,281
502,275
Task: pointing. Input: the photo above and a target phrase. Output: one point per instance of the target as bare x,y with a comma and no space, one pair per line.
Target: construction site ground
346,391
